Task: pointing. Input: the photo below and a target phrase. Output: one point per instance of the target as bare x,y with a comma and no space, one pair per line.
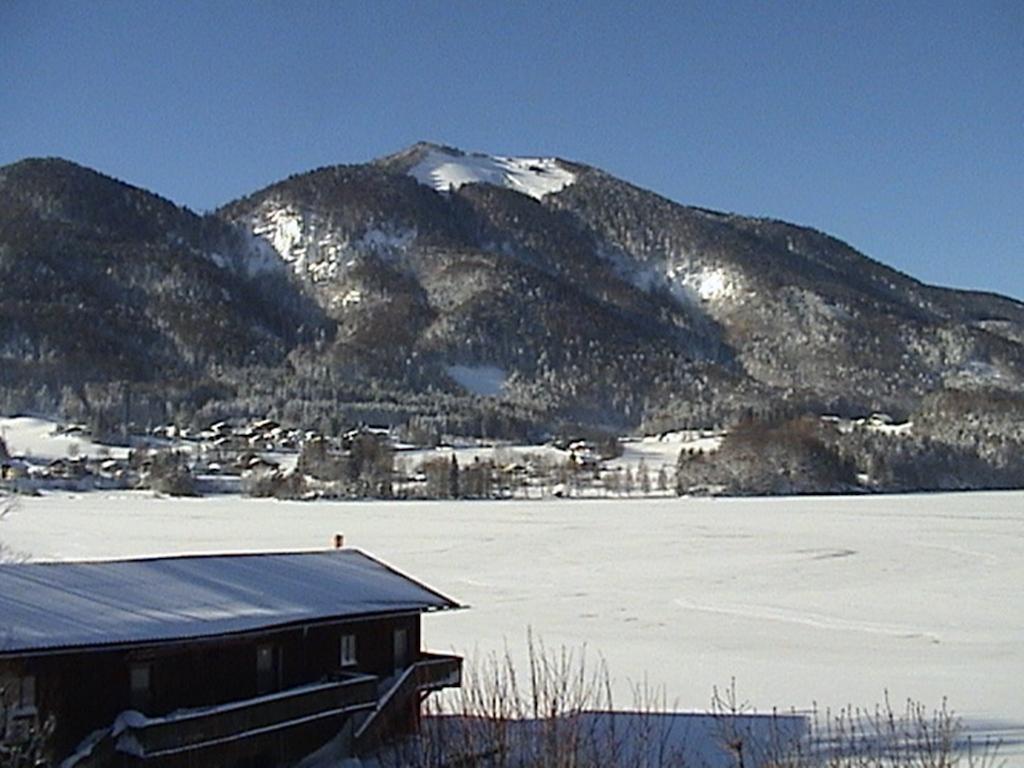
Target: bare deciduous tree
559,713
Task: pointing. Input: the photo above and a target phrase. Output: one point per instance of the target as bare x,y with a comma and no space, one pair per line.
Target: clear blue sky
897,126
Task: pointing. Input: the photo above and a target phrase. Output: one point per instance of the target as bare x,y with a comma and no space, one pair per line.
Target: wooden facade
263,697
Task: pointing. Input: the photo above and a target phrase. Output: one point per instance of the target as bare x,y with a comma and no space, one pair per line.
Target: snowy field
38,439
827,600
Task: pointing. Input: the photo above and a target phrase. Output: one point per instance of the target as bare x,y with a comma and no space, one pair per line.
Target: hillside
459,293
607,303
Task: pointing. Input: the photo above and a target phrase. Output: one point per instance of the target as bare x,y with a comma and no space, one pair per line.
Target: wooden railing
437,670
183,731
188,730
430,673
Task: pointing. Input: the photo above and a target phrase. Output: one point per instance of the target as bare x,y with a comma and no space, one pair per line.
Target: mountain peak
48,169
43,162
64,178
445,169
56,189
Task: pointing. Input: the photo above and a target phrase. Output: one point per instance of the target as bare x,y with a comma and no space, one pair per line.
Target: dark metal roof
46,606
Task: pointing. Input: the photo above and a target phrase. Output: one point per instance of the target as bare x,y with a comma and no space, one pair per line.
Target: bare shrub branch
559,713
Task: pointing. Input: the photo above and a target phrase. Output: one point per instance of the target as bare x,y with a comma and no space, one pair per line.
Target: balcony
400,696
209,726
435,671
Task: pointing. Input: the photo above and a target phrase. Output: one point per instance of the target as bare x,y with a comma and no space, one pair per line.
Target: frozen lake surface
833,600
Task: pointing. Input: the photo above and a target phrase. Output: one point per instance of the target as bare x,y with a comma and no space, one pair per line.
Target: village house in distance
227,660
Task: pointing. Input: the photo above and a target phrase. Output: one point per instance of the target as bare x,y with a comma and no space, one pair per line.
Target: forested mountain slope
478,294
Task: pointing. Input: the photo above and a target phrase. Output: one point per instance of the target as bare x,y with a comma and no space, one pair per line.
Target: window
140,677
401,647
27,692
268,666
348,650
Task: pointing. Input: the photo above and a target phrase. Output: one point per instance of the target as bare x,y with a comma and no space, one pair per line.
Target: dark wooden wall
85,690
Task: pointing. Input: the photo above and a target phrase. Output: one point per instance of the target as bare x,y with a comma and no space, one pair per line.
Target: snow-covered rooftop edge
447,169
59,605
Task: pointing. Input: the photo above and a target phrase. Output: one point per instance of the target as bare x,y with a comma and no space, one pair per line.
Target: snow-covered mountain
479,293
447,170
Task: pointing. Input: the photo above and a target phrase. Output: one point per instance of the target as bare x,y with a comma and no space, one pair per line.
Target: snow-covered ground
39,439
802,600
663,450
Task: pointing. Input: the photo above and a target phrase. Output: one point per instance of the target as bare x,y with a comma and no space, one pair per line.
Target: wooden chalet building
222,660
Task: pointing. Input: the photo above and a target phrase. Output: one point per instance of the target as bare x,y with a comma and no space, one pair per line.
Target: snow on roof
56,605
445,169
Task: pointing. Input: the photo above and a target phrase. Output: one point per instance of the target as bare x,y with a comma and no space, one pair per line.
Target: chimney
339,540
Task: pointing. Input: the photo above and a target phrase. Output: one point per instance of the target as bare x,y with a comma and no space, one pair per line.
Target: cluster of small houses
240,457
222,450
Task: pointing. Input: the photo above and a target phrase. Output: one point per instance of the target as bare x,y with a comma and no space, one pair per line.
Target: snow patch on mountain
710,284
483,380
282,230
352,297
690,282
317,250
534,176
